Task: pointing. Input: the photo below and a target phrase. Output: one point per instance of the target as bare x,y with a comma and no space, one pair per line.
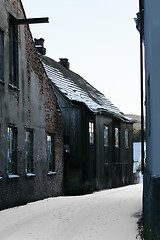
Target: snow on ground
105,215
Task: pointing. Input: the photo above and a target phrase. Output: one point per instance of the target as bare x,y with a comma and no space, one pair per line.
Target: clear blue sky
100,40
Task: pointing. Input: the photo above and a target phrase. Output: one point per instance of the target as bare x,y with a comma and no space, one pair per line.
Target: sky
100,40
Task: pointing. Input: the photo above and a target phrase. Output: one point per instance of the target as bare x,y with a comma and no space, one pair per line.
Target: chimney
64,62
39,45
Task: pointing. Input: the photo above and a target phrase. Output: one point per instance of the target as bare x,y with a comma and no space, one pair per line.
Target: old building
31,123
98,150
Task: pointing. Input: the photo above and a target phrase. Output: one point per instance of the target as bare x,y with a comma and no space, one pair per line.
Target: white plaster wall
152,72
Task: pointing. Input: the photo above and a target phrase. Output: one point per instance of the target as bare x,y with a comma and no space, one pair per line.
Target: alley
109,214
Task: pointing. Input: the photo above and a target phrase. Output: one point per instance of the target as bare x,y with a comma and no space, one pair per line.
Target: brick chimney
64,62
39,45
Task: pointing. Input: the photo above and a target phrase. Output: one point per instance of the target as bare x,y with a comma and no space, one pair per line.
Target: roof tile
76,88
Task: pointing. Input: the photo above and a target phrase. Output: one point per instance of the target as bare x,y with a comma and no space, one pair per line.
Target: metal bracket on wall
29,21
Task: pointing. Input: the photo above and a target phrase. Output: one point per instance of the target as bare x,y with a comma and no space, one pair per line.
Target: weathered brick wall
17,5
33,106
53,117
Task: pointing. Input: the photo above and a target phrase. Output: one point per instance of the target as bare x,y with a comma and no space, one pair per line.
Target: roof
75,88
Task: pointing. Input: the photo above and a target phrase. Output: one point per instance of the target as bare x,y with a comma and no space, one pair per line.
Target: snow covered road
105,215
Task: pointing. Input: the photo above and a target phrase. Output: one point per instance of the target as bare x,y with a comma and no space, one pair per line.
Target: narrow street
105,215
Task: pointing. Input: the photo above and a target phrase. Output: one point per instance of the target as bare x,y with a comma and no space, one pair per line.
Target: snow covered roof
75,88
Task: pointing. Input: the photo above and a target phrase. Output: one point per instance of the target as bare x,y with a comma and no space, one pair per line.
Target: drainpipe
141,83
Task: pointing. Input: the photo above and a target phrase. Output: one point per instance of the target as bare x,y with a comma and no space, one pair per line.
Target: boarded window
106,136
91,132
1,55
126,139
29,150
13,53
12,150
116,137
50,153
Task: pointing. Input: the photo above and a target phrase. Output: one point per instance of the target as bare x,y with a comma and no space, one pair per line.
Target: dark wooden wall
93,167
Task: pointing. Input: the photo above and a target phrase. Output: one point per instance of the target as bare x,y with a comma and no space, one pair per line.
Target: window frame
0,142
12,150
91,131
106,140
51,155
2,55
29,150
116,136
126,137
13,53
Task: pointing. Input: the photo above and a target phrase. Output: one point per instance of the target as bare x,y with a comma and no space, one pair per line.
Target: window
0,155
29,150
126,139
91,132
1,56
0,146
13,53
50,154
116,137
12,150
105,136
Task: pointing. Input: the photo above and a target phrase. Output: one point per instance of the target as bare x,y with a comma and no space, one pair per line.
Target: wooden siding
94,166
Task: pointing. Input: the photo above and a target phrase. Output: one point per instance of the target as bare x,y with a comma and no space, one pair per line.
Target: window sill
51,173
13,87
106,146
106,164
11,176
28,175
2,82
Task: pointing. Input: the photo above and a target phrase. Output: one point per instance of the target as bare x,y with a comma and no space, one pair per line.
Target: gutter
141,81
